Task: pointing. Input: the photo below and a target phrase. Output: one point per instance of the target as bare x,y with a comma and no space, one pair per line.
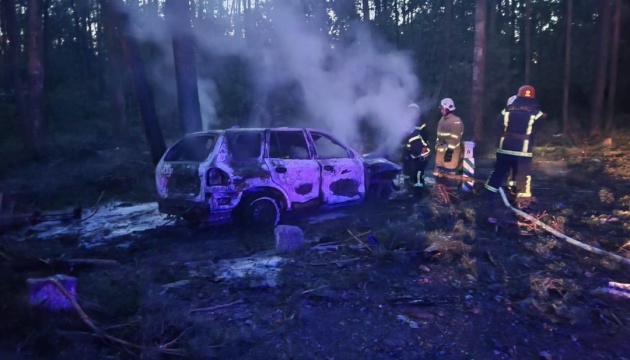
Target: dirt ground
416,279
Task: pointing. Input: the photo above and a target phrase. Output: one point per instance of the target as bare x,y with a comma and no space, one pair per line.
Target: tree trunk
600,76
144,95
79,44
566,125
492,20
528,41
614,61
185,67
9,27
366,10
35,119
446,47
479,63
115,69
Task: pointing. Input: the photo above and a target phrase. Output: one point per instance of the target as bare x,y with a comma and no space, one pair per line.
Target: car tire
262,212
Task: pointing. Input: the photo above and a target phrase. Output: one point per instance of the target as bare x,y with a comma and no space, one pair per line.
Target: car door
343,176
292,166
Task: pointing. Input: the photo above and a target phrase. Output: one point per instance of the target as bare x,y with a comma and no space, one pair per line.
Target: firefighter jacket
416,145
450,129
520,122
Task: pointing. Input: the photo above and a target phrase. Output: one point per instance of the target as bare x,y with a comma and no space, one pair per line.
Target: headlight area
217,177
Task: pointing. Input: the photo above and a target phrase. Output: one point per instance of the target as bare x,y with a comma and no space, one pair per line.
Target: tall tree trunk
35,78
528,41
446,47
9,27
600,76
366,10
185,66
79,45
479,64
492,20
396,22
144,95
614,61
115,70
566,125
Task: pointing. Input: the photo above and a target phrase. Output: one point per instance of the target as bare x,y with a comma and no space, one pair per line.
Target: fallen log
562,236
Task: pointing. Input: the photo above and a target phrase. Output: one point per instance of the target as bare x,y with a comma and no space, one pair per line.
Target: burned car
256,175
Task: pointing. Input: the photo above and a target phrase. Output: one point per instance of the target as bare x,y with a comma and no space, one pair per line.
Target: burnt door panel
292,166
343,177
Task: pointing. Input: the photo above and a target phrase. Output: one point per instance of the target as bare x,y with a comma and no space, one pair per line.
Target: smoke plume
340,84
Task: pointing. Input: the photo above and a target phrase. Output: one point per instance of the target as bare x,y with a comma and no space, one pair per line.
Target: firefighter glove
448,155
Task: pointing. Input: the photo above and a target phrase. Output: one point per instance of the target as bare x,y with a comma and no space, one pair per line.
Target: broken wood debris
356,237
72,262
216,307
337,245
615,288
163,348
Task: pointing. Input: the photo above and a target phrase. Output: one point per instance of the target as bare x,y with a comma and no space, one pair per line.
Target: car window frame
350,153
238,132
307,141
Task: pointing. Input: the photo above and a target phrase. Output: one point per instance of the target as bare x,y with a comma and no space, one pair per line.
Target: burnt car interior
288,145
327,148
244,145
193,148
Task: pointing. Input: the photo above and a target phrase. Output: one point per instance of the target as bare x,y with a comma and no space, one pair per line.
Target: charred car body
258,174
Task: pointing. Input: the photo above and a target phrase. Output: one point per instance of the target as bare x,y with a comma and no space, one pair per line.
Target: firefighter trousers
414,168
448,173
521,167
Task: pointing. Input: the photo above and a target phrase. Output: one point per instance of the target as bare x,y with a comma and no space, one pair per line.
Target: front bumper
195,211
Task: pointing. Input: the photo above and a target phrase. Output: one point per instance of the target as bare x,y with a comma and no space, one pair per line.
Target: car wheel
263,211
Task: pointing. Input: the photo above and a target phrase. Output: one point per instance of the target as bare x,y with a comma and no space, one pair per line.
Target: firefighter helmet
527,91
448,104
511,100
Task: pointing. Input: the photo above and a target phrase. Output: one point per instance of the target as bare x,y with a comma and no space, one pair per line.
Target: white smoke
342,85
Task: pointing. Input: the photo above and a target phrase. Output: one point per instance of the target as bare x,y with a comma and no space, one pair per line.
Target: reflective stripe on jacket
450,129
519,122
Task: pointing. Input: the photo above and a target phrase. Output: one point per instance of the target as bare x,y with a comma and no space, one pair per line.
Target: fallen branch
359,240
312,290
216,307
562,236
99,332
326,247
95,206
103,262
336,262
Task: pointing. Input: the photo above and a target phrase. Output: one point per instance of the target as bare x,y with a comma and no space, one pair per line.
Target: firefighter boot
492,207
419,180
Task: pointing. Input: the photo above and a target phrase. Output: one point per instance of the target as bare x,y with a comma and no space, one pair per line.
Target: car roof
247,129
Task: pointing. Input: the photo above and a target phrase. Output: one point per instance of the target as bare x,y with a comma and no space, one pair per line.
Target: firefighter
416,149
514,149
448,149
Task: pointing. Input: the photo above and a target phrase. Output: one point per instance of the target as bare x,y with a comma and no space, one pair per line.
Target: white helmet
448,104
511,100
